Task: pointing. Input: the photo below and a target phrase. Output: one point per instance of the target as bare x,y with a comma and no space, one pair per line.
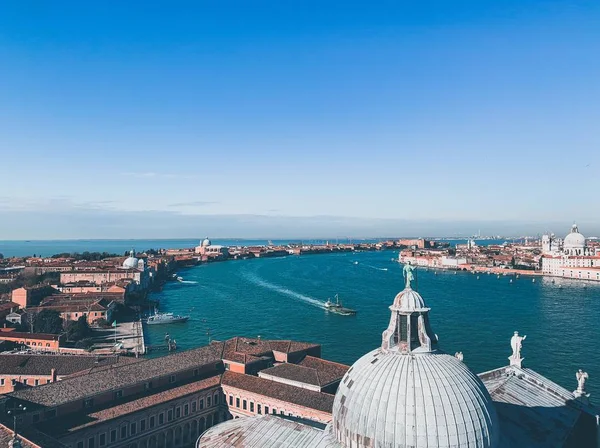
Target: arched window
201,425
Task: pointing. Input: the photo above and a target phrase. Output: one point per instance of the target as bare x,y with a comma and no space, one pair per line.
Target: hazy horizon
311,118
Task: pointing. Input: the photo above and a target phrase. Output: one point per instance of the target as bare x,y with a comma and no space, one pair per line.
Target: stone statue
459,356
516,342
408,273
581,379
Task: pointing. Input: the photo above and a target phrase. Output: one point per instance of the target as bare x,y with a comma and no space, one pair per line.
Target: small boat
337,308
356,262
533,280
510,281
179,279
166,318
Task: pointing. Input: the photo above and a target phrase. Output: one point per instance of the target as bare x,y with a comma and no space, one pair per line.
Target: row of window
26,381
257,408
132,429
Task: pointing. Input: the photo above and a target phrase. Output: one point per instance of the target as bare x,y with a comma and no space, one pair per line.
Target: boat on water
166,318
337,308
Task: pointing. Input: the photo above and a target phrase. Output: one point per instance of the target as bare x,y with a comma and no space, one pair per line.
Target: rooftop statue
407,272
581,379
516,342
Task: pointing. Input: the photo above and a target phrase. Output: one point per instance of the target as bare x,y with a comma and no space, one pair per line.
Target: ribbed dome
389,399
574,240
408,300
205,242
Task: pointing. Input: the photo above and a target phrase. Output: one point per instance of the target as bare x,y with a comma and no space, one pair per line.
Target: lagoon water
282,298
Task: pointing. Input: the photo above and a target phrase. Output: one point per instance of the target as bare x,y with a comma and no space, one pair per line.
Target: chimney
53,375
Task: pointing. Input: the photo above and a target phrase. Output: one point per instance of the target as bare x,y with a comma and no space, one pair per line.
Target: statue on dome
407,272
581,379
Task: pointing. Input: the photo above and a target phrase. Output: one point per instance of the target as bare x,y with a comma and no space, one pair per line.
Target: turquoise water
281,298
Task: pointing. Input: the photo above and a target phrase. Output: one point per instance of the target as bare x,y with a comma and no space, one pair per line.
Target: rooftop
536,412
6,435
79,387
245,350
39,336
310,370
43,364
84,420
284,392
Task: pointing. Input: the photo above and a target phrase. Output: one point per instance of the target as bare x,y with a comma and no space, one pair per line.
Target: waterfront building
35,341
571,258
416,243
409,393
206,250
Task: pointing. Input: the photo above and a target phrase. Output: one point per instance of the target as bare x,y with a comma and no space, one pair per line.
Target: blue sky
153,119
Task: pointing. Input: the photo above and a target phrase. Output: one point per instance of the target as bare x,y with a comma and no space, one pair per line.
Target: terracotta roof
284,392
84,420
328,371
6,436
245,350
43,364
77,388
293,372
40,336
8,305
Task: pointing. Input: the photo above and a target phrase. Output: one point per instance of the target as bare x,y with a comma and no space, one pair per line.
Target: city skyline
294,121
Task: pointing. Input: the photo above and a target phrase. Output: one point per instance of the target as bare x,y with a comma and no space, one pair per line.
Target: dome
408,300
408,393
574,240
205,242
131,262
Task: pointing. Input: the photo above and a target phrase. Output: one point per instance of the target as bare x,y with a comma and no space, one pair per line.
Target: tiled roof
328,371
244,350
266,431
83,420
284,392
76,388
43,364
6,436
40,336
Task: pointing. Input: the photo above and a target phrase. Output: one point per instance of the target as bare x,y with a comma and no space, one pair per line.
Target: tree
1,256
79,329
48,321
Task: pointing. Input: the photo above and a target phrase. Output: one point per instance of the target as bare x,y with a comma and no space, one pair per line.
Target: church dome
205,242
574,240
408,393
130,262
421,400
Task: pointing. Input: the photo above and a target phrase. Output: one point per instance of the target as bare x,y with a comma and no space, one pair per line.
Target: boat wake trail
377,269
284,291
188,282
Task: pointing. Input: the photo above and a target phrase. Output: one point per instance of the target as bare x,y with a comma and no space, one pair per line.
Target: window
237,402
178,412
13,381
258,408
47,381
123,432
1,381
170,415
151,422
113,436
251,407
36,382
91,442
142,425
186,409
266,409
133,429
208,401
201,403
216,400
88,403
102,439
244,405
226,365
281,413
231,400
25,381
194,406
172,379
274,411
161,418
118,394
